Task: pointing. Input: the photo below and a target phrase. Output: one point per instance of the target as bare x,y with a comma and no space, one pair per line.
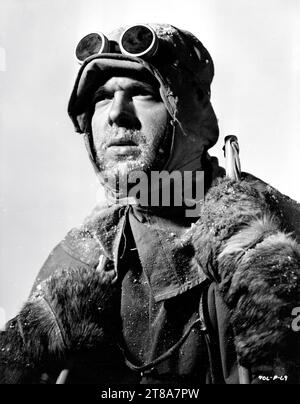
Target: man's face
129,125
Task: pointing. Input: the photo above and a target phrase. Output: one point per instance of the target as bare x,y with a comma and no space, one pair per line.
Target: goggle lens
91,44
138,40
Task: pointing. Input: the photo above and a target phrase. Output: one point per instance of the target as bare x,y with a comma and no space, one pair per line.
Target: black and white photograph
149,194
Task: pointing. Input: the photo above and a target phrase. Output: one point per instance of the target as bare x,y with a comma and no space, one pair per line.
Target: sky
47,185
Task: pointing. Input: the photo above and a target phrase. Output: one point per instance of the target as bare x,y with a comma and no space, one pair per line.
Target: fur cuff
71,312
239,243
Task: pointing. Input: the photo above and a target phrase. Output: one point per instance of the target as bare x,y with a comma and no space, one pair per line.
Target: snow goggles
138,40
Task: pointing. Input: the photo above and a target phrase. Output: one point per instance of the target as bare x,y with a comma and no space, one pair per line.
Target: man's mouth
121,143
123,147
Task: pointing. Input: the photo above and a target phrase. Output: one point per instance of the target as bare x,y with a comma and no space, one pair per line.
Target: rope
162,357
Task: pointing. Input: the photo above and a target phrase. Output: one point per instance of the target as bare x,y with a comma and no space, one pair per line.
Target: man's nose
122,112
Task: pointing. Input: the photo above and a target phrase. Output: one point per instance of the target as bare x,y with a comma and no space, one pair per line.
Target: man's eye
145,95
99,103
102,97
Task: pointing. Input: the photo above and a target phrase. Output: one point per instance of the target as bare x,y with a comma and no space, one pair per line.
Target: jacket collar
165,255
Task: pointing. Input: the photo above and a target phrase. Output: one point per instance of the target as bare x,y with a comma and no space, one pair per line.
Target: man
148,292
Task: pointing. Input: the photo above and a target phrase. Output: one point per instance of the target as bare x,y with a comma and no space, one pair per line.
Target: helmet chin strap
110,193
91,153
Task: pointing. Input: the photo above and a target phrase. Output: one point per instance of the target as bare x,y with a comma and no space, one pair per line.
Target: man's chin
122,169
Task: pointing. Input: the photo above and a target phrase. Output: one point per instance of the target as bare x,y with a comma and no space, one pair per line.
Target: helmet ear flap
84,122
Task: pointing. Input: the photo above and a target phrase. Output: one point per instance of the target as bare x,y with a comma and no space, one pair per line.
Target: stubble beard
152,156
